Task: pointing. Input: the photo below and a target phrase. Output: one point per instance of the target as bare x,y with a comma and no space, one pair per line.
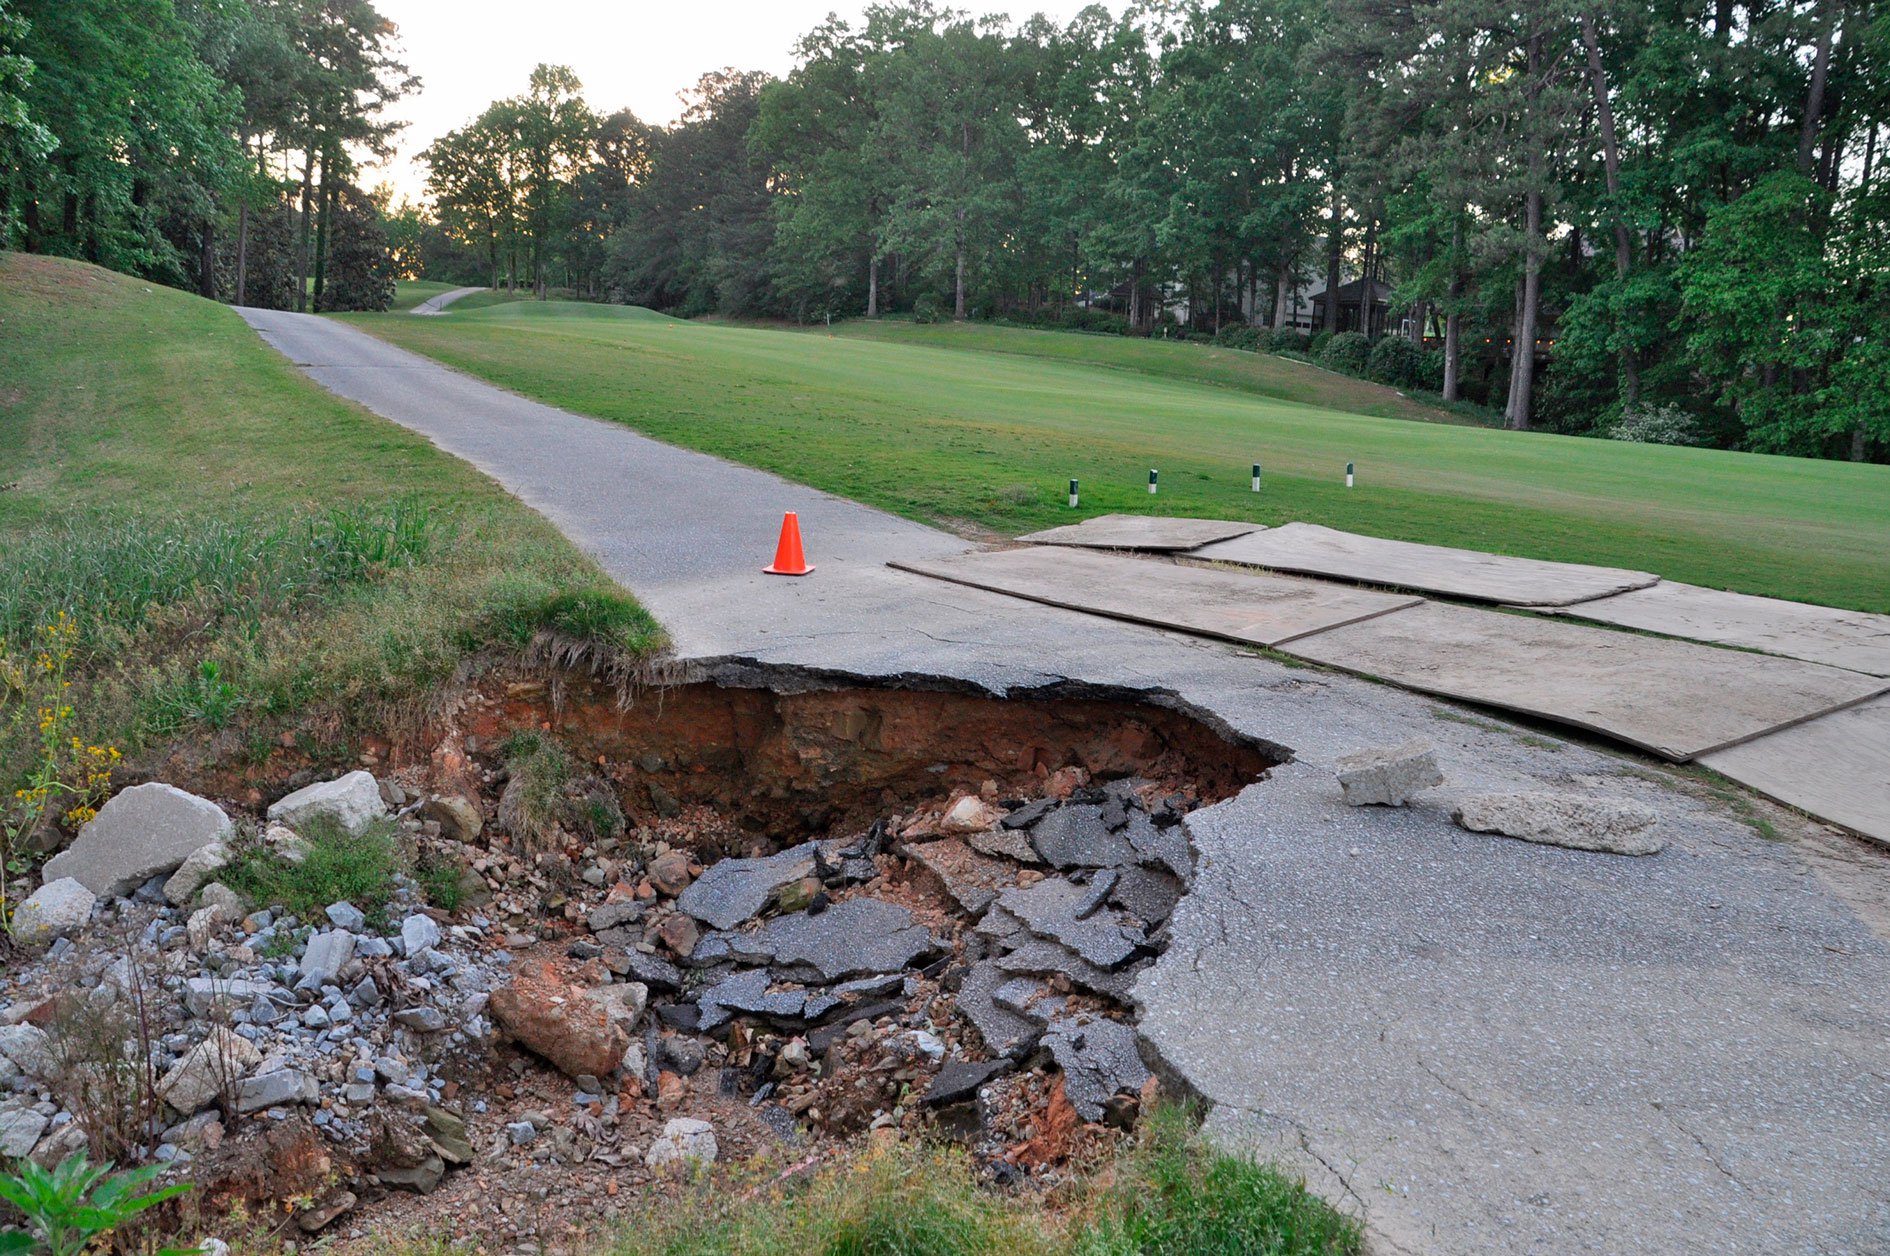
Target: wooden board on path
1798,630
1142,532
1308,549
1837,767
1676,699
1250,608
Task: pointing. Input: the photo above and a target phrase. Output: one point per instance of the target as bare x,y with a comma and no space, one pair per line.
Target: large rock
281,1088
327,954
1577,821
1388,776
735,890
861,935
20,1129
143,832
683,1140
53,910
28,1047
1099,1060
217,1063
352,802
557,1021
457,815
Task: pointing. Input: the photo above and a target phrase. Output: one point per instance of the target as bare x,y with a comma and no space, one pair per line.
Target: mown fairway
985,426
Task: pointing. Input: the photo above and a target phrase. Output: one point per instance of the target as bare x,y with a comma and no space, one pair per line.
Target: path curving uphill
437,305
1477,1045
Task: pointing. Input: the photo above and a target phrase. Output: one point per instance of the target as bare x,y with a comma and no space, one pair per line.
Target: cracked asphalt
1476,1045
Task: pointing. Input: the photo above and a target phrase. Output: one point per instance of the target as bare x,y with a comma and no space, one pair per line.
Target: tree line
1663,217
212,145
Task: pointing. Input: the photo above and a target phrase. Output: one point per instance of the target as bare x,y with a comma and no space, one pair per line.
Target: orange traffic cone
788,559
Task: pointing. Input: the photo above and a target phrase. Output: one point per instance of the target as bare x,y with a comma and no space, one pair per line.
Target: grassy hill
239,552
986,425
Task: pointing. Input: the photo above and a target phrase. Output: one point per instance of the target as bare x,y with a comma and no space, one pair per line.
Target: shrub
1286,340
1649,424
1430,373
70,1206
1348,352
1316,345
928,309
336,867
1238,336
1396,361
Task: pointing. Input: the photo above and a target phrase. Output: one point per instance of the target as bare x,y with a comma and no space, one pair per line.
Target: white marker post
1256,477
1348,475
1073,495
1152,473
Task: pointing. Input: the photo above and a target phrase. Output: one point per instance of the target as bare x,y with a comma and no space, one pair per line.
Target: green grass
337,867
245,553
1169,1194
986,425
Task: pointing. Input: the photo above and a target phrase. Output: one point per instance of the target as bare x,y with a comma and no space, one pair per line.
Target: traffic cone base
788,558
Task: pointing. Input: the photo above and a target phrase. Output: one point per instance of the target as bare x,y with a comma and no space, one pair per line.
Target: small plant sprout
67,1207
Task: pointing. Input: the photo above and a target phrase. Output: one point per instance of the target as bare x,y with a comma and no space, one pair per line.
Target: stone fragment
651,970
623,1002
1074,837
54,910
353,802
680,934
861,935
1099,1059
1029,813
325,1211
206,995
457,815
972,880
419,932
28,1047
970,814
447,1133
273,1090
1578,821
20,1129
960,1080
327,954
1029,998
191,875
1157,846
143,832
735,890
669,873
423,1178
422,1019
1004,1032
218,895
613,916
683,1140
556,1021
1388,776
207,1070
1049,909
1005,843
346,916
748,992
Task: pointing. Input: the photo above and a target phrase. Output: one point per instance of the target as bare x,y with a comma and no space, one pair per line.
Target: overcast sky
628,52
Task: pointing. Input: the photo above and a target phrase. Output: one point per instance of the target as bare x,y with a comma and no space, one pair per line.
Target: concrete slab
1142,532
1309,549
1797,630
1252,608
1837,767
1675,699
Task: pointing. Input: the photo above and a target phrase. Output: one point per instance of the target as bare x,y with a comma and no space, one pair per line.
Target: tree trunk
1453,337
1523,373
1366,305
958,283
1857,445
872,286
303,231
1814,97
1335,245
325,200
1611,165
242,253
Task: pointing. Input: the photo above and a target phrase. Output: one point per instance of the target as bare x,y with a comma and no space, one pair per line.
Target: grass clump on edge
1167,1194
336,867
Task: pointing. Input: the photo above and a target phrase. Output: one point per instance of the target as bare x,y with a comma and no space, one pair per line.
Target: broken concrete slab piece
960,1080
748,992
1050,909
1577,821
1043,957
1154,533
1004,1032
1100,1060
352,802
142,832
1388,776
1076,837
849,939
198,868
735,890
683,1141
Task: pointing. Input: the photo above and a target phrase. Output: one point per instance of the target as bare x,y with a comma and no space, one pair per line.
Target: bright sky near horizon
628,52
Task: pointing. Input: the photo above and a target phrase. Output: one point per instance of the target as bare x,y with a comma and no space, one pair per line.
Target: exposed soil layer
813,755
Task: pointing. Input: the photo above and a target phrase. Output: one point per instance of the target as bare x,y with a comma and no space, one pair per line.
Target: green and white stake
1256,477
1073,494
1348,475
1152,473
